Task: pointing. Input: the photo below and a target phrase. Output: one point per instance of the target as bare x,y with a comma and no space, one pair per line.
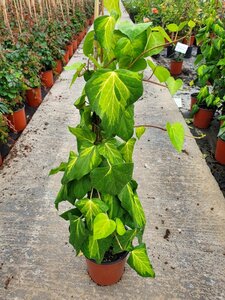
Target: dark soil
207,144
109,257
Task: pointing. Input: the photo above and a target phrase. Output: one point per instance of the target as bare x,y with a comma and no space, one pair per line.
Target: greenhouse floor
184,206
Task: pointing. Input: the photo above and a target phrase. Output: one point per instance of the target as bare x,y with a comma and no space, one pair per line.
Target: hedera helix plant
106,215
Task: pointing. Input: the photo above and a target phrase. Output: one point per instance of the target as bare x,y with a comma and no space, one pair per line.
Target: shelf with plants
37,40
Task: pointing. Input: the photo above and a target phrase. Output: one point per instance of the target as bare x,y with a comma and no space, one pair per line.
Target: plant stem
118,242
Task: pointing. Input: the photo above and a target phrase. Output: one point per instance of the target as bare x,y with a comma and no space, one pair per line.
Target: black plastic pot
199,51
170,51
188,54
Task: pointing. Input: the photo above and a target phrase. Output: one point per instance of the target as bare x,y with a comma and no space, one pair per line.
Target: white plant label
182,48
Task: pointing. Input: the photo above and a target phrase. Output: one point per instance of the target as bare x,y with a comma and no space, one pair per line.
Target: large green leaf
110,152
90,208
61,196
140,131
115,209
120,229
78,67
78,233
127,149
113,6
95,249
110,92
176,135
67,214
113,178
77,189
154,43
161,73
126,126
174,85
60,168
125,241
88,46
88,159
85,137
139,261
68,173
132,30
130,201
103,226
104,27
126,47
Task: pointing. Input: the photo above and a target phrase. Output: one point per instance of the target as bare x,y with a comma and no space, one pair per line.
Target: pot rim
125,253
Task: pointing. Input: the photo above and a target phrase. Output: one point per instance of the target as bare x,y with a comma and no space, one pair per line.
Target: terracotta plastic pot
47,79
80,36
69,48
66,57
75,45
18,119
34,97
203,118
106,273
59,66
189,41
176,67
193,99
220,151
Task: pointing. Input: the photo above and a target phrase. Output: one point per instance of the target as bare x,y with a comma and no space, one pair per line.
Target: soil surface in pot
207,144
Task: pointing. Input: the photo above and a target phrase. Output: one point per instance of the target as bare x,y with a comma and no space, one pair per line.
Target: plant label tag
182,48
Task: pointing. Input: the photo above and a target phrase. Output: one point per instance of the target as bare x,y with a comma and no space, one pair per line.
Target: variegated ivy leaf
103,226
139,261
110,152
78,67
110,92
95,249
113,178
78,166
130,201
132,30
160,72
90,208
104,27
115,209
155,42
176,135
127,149
174,85
113,6
78,232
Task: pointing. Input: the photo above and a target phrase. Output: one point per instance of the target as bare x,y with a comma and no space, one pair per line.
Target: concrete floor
178,193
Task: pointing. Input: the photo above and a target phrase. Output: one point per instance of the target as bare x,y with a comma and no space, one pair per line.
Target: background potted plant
12,83
205,108
106,216
220,145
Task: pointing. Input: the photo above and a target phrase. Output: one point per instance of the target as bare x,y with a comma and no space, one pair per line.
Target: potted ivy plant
28,62
41,47
220,145
203,111
12,83
106,216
